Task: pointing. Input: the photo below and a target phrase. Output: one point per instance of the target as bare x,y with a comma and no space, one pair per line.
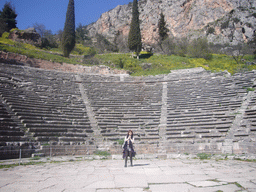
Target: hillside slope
231,21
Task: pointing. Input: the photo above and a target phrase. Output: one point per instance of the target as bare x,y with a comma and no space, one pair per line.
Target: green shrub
199,48
236,20
5,35
145,54
102,153
210,30
224,25
203,156
120,141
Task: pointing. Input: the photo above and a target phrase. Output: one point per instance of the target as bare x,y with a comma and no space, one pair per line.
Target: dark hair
128,134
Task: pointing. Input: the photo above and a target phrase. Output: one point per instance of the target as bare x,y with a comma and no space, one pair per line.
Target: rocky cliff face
222,21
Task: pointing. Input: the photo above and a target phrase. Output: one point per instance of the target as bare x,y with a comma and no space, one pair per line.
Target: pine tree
8,17
134,38
162,30
69,33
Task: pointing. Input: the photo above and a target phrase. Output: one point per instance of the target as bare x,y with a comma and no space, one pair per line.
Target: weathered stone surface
183,18
13,58
27,36
177,175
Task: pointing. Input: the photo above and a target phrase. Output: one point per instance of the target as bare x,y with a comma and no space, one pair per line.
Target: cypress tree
8,17
162,30
69,33
134,38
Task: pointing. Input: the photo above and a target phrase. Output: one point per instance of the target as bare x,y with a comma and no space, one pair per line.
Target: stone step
59,134
200,124
11,133
10,138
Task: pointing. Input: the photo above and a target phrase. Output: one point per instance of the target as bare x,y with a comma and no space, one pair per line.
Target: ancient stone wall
13,58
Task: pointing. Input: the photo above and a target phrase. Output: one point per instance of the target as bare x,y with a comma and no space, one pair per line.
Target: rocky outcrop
183,18
27,36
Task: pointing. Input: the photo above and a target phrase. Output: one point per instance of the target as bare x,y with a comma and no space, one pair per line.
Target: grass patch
22,164
120,141
158,64
249,89
164,64
204,156
35,158
247,160
102,153
238,185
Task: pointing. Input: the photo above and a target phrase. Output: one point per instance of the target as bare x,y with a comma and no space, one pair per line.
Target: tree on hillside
134,38
48,39
81,34
162,31
7,18
252,44
69,32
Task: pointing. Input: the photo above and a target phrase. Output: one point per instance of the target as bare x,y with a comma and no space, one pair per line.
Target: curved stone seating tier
9,130
46,101
185,107
203,110
121,106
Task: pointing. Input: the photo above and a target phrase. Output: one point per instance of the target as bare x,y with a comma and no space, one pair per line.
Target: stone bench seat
195,114
181,137
113,138
193,121
219,127
52,126
214,123
128,126
109,115
153,134
32,110
250,112
202,131
31,105
148,138
10,138
107,120
6,120
31,121
110,134
11,132
61,130
250,117
108,126
45,117
211,135
53,130
54,116
174,133
241,134
175,129
146,116
151,130
48,134
60,139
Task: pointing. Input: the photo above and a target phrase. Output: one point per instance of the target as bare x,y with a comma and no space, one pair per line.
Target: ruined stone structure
186,111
